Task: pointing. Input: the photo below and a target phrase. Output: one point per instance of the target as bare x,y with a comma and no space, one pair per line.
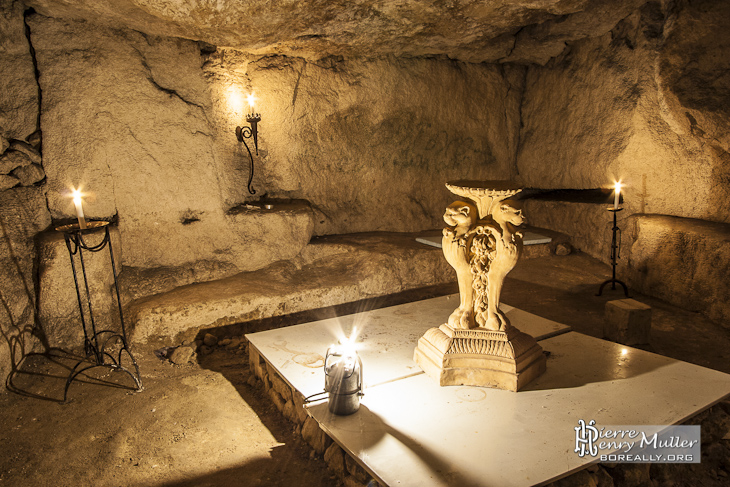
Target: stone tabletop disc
484,193
487,188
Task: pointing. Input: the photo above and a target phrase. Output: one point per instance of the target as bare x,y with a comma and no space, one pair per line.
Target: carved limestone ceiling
523,31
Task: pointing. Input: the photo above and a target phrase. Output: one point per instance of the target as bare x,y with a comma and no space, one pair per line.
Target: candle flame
76,195
251,99
617,186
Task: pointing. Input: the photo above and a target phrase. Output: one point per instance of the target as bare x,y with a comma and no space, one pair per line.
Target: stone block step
331,270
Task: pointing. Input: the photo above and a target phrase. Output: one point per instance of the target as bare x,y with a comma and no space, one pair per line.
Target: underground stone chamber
366,111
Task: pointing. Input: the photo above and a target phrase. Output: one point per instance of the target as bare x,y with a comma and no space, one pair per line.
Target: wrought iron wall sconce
243,133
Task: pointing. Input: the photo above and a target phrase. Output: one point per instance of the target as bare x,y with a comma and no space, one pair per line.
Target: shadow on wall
18,325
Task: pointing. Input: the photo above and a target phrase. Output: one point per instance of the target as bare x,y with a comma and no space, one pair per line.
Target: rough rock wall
19,94
681,260
647,103
132,120
145,127
369,143
519,31
126,118
20,159
23,209
23,213
588,225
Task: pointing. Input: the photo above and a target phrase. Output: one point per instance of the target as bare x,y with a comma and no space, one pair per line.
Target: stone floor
208,422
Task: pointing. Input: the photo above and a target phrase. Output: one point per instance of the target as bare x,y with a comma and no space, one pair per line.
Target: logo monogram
585,437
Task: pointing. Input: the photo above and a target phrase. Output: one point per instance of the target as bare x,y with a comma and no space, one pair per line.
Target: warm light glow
617,187
624,351
76,194
347,348
235,100
251,100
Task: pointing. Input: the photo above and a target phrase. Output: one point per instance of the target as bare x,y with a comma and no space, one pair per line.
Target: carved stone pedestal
477,357
478,346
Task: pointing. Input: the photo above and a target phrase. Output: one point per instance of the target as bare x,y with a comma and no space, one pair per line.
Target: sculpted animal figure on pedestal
456,243
482,252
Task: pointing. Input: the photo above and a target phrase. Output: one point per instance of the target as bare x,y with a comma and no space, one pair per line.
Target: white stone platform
411,432
386,340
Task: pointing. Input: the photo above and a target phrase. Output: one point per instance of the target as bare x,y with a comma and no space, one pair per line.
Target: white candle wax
616,195
79,210
251,101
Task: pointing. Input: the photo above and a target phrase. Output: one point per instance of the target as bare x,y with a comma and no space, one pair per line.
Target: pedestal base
477,357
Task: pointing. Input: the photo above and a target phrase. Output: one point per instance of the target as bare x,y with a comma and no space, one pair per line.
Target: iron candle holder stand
615,255
97,343
243,133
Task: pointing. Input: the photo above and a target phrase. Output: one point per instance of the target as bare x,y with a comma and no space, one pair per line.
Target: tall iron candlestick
615,255
99,344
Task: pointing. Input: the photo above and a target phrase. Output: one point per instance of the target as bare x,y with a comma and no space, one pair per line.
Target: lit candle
79,209
617,192
251,100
